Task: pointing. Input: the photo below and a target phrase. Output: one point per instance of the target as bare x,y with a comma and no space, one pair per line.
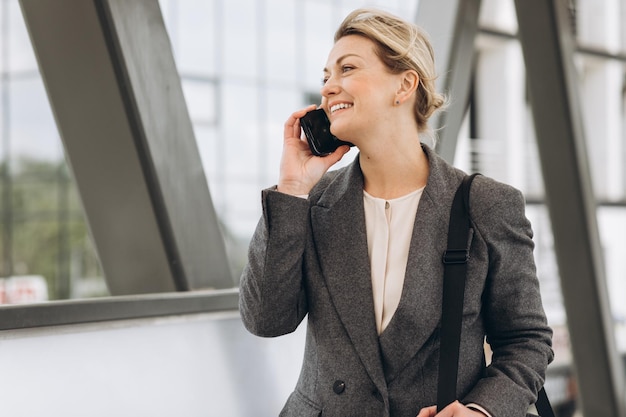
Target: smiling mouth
339,107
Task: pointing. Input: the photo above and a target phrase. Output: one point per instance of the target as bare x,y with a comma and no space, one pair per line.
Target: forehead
352,45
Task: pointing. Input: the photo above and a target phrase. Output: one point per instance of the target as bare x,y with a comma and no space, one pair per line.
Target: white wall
201,365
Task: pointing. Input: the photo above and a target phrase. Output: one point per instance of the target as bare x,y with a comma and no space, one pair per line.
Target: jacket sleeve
514,318
272,301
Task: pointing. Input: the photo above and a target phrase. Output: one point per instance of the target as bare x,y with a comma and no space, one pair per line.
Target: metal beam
121,307
452,26
548,48
112,83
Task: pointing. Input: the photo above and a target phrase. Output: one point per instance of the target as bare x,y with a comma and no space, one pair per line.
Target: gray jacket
310,257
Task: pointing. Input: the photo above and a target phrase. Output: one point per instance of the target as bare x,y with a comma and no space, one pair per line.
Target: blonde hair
401,46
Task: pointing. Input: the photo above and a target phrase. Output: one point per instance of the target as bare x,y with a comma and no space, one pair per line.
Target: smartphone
316,127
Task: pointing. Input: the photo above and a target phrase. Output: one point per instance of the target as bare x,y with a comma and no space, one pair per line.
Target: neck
394,170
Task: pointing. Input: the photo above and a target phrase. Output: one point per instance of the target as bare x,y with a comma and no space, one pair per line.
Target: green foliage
43,228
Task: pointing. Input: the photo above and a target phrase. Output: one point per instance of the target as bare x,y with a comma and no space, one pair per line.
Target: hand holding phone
300,169
316,127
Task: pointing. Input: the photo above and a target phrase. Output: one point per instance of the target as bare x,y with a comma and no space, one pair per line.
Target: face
358,90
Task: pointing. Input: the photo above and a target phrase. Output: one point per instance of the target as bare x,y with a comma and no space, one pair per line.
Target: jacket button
339,387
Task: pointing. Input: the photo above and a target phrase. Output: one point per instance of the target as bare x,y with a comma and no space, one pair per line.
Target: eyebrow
341,58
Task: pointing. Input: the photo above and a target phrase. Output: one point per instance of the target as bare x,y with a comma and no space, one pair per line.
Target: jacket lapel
341,242
419,313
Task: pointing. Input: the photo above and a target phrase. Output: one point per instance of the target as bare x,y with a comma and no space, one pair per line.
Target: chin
340,132
346,135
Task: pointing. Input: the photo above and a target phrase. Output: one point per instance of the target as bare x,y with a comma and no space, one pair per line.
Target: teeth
339,107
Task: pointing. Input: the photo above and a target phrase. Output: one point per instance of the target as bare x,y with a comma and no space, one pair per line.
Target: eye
346,68
324,80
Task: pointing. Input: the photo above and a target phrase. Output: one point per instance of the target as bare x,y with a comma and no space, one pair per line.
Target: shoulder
486,193
488,196
498,210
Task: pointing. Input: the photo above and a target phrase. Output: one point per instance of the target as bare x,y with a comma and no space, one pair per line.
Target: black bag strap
455,270
544,408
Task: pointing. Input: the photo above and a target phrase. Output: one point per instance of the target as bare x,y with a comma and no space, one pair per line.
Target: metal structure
548,46
118,103
452,26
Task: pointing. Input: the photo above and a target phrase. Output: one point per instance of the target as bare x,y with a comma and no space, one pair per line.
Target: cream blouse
389,225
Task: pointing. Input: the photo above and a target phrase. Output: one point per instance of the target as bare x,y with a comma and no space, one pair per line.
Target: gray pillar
452,26
116,95
548,47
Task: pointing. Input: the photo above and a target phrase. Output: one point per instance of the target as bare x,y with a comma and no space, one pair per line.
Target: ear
409,81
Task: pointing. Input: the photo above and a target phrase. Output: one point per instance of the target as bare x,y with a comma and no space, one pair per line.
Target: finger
292,125
336,156
455,409
428,411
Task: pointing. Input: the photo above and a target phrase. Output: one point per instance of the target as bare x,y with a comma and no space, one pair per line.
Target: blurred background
245,65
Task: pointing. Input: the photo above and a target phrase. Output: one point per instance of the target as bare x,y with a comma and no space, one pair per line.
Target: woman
359,250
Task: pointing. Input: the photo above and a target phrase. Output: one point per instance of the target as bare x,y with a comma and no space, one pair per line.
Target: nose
330,87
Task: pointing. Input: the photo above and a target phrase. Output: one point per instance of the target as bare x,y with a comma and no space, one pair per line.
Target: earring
397,102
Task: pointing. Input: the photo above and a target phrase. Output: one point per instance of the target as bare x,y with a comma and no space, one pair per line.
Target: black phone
316,127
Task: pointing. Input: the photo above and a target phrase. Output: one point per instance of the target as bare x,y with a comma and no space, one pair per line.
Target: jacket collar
341,241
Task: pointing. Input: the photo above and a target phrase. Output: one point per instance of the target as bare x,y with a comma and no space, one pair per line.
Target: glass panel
21,57
603,124
3,37
241,38
499,15
612,225
3,234
200,96
32,129
598,24
193,27
82,263
243,213
210,151
49,234
282,42
240,130
279,103
318,27
623,119
60,253
35,198
36,252
622,18
46,250
74,202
